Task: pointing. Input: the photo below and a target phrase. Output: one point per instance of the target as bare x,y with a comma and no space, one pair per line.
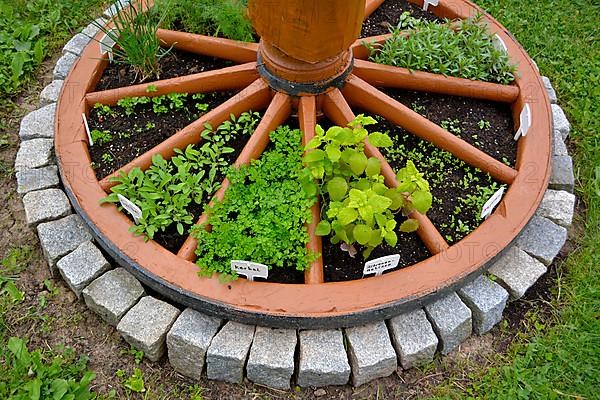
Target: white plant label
499,44
492,203
525,122
107,42
131,208
380,265
426,3
87,130
250,269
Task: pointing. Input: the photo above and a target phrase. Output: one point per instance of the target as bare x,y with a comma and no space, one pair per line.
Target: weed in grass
465,51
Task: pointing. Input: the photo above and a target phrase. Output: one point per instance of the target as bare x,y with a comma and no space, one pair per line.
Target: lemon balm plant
359,207
134,34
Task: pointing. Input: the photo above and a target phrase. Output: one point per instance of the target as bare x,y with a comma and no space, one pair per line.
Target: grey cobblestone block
542,239
35,153
82,266
64,65
371,353
558,206
271,360
113,294
550,90
517,271
92,29
559,148
188,341
560,121
451,321
114,8
228,352
77,44
51,92
37,179
145,326
38,124
62,236
323,359
413,338
45,205
562,176
487,301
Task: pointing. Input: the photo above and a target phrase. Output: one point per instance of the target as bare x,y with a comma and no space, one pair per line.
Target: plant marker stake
250,269
489,206
87,130
525,120
499,44
380,265
131,208
426,4
107,42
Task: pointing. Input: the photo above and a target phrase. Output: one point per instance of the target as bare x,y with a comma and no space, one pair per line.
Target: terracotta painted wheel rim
314,304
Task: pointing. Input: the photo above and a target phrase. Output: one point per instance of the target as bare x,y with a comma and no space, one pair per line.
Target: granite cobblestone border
199,345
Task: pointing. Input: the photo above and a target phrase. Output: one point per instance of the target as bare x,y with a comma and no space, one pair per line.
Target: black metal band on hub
296,88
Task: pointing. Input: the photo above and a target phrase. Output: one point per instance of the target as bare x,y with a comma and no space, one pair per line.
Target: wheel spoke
307,113
254,97
371,6
338,110
365,96
227,49
277,112
230,78
361,52
402,78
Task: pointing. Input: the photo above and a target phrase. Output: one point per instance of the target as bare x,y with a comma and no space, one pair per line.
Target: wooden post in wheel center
306,42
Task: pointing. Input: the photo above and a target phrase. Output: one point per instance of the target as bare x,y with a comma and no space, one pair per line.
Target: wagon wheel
343,82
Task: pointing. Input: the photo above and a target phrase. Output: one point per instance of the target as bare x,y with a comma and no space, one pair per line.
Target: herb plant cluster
263,214
166,191
226,18
135,36
463,50
359,207
446,173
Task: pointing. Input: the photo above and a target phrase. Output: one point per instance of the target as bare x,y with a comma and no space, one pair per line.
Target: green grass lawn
559,358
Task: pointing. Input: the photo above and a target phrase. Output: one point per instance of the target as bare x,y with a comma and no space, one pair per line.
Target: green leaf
323,229
379,139
314,156
373,166
337,188
314,143
421,200
362,234
379,203
333,152
410,225
391,238
358,163
347,216
396,197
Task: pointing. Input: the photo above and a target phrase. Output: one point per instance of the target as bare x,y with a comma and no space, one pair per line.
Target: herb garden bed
469,123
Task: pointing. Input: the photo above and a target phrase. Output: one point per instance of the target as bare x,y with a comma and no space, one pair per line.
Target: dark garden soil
339,266
389,15
176,63
142,131
484,124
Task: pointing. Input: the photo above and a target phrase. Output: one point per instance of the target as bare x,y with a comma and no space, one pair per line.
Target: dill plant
464,50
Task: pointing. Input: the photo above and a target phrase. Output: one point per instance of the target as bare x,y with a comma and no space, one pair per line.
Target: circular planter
315,304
